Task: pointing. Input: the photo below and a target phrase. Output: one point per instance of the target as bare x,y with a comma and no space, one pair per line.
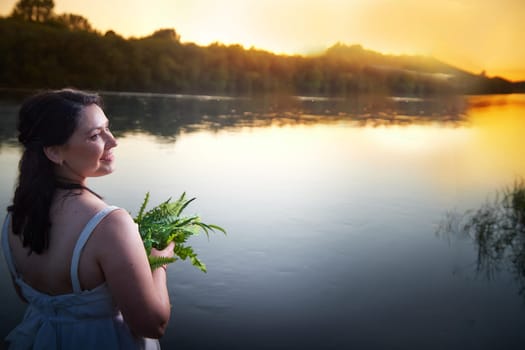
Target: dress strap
82,239
5,245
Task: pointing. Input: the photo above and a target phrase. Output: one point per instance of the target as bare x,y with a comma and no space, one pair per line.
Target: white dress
84,319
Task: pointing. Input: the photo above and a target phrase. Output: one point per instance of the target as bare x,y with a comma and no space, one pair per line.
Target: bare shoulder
116,232
117,222
79,207
76,211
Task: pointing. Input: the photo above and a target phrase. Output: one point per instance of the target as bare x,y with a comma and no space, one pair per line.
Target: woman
78,263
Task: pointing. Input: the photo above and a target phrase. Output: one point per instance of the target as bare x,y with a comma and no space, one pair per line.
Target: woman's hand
166,252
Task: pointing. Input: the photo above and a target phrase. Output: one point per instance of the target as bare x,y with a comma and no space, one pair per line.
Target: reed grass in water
498,230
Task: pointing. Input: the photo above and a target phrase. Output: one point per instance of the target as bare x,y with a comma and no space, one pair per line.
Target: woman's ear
54,154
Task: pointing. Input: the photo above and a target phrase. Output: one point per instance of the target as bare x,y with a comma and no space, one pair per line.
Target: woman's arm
140,294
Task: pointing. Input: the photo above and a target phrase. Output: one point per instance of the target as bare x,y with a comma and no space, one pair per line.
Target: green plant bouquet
165,223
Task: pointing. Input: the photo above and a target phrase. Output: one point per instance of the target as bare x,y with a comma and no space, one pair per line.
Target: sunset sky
474,35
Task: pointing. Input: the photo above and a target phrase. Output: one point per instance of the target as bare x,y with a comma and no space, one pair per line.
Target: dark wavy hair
48,118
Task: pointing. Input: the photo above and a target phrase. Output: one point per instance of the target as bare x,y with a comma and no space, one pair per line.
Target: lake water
333,210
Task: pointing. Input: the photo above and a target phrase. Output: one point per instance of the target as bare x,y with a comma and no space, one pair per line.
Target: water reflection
167,116
497,229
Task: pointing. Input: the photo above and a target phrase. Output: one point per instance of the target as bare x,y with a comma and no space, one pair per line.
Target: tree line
41,49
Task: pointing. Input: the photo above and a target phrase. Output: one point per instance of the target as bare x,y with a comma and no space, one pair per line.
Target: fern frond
157,261
217,228
142,208
184,204
164,223
199,264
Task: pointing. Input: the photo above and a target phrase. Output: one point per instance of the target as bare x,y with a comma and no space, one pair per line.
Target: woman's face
88,152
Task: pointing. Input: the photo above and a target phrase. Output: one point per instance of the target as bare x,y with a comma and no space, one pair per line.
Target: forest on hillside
41,49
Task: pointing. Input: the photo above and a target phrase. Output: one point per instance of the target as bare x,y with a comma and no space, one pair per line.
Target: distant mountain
423,67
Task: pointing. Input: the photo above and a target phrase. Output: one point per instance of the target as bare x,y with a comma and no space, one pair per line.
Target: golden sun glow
472,35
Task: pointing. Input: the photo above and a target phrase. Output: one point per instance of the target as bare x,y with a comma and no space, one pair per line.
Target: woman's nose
111,140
